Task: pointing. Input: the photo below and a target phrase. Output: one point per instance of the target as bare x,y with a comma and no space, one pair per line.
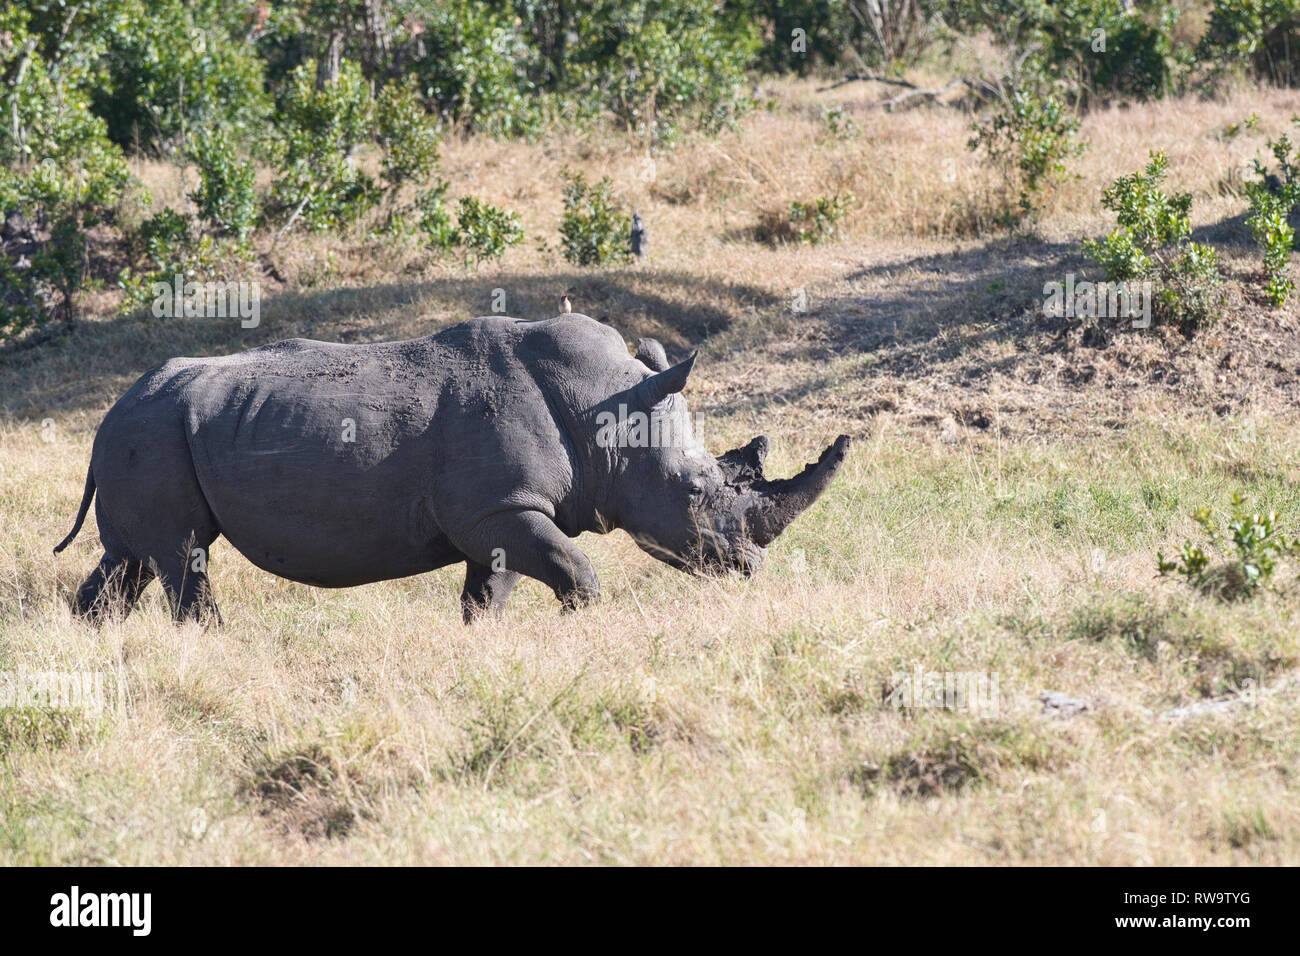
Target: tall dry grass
985,523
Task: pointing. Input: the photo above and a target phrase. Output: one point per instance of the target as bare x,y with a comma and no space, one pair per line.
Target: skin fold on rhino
494,442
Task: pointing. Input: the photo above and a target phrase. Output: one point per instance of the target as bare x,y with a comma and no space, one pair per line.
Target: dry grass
1000,515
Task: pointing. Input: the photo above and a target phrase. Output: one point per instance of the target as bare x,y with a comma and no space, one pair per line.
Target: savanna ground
1012,480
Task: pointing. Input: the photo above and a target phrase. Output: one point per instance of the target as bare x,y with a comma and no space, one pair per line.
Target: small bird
566,304
640,239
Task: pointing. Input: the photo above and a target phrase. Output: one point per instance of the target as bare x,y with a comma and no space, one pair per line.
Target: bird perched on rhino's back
493,443
639,240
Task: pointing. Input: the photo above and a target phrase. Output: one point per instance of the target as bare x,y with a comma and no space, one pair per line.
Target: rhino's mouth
711,555
717,554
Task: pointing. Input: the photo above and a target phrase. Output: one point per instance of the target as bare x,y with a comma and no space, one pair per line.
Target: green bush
316,179
1268,223
484,231
1029,138
408,134
435,218
592,231
1273,198
659,65
1139,59
170,244
225,197
1256,548
165,240
164,246
473,66
815,222
1153,242
59,172
1261,36
176,67
1095,49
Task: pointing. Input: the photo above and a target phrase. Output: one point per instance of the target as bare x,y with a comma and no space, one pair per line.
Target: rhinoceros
494,442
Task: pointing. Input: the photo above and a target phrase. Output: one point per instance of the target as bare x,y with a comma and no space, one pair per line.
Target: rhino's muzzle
777,503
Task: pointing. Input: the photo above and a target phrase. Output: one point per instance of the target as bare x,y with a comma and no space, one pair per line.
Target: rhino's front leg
485,590
529,543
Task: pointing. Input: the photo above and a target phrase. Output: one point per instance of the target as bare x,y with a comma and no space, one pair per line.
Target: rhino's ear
652,355
659,386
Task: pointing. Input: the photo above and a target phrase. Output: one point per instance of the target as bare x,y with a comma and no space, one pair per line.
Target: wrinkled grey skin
479,444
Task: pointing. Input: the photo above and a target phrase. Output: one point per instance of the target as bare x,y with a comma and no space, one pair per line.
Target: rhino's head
699,513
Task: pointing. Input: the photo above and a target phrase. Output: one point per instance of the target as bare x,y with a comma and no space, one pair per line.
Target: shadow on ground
933,323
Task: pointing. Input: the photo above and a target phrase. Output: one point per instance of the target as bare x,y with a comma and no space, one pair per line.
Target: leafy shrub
162,247
1273,198
1095,49
1139,58
1268,223
59,174
1153,242
1256,549
658,64
225,197
484,231
593,232
812,222
316,180
165,240
170,244
173,67
1029,138
1262,36
473,66
839,123
435,218
408,134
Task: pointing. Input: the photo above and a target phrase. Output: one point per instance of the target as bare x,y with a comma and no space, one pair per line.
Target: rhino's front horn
780,502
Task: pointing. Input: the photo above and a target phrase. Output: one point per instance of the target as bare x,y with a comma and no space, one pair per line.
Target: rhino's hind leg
485,590
112,589
189,592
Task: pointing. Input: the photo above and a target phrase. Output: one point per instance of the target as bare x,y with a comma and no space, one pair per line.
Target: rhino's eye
695,501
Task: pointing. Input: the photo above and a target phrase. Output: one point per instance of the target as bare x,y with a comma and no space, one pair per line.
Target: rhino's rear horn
780,502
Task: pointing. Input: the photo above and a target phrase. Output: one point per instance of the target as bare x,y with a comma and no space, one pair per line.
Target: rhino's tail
81,514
